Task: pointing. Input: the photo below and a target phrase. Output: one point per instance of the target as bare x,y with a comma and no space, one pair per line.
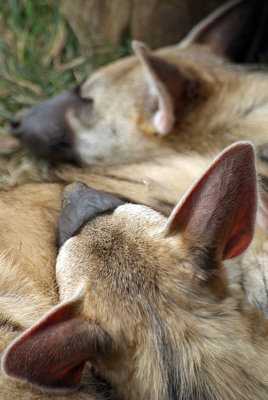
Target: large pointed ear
217,215
52,354
80,204
233,30
168,86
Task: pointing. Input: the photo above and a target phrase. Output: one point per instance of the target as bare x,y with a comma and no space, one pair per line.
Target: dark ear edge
51,355
233,29
81,204
217,215
173,88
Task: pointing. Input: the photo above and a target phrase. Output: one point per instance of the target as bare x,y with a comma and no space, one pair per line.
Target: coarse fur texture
220,103
255,261
156,106
28,286
153,296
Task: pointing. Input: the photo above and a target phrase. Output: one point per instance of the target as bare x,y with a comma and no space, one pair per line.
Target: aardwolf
145,300
28,286
155,105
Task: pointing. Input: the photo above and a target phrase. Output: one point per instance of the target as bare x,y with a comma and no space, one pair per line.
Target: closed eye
88,100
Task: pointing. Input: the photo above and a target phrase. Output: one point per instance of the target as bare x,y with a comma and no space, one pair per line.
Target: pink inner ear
238,241
219,211
163,121
52,354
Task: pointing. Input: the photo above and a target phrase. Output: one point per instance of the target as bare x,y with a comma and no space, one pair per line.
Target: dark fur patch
12,326
168,357
81,205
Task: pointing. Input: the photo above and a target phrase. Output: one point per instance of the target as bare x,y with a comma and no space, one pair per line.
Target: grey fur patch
81,204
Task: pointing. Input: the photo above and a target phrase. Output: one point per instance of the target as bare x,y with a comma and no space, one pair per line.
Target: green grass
39,57
39,54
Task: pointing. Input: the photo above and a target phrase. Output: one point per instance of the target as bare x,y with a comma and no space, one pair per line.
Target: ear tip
243,147
242,144
163,122
139,47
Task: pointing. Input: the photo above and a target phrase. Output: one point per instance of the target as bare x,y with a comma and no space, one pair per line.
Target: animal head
144,298
183,97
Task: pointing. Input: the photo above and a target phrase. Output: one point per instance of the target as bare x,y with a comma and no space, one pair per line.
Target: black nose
15,121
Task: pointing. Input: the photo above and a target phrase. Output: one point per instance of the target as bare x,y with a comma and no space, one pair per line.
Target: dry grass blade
39,57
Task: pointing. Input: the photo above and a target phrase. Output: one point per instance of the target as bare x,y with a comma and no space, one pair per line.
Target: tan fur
238,95
125,132
179,331
180,100
157,183
28,286
233,106
137,303
249,273
29,216
255,272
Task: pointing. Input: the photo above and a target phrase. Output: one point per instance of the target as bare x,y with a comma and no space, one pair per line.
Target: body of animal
155,106
145,298
151,114
156,119
28,286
